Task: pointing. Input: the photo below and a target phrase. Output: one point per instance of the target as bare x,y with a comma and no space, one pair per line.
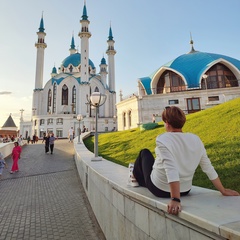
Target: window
193,105
219,76
96,89
54,97
49,103
59,133
64,95
130,118
49,130
50,121
60,121
74,99
124,119
213,98
42,121
170,82
171,102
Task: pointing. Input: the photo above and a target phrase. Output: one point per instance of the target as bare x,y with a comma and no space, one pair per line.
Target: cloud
5,93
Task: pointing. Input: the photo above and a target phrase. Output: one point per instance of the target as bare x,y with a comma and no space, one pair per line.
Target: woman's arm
225,192
174,206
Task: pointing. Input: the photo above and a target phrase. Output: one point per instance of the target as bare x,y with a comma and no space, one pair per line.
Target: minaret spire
84,35
40,45
111,73
111,63
72,46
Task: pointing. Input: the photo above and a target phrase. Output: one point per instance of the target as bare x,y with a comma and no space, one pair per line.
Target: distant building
192,81
9,128
65,95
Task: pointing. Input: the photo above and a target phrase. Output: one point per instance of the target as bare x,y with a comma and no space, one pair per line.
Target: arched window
96,89
54,97
74,99
219,76
124,119
64,95
130,118
170,82
49,103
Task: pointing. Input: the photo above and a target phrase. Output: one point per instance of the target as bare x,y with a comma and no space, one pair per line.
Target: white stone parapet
125,212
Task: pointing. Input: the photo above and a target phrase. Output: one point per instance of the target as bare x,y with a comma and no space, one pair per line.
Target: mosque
66,94
193,81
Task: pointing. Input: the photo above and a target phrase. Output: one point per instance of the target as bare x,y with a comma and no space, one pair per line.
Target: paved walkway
45,199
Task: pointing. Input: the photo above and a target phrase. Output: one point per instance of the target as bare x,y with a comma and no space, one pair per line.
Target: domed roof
191,66
54,70
75,60
103,61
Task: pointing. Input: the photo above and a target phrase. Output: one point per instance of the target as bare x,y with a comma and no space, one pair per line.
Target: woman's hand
174,207
225,192
229,192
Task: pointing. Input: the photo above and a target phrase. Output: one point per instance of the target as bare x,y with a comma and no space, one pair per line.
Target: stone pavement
45,199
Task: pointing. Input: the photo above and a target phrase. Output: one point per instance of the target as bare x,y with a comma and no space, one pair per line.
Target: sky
147,35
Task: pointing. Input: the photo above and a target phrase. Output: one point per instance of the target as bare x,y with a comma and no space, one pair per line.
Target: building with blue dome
193,81
66,94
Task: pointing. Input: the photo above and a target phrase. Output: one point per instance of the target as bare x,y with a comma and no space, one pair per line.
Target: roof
9,123
191,66
75,60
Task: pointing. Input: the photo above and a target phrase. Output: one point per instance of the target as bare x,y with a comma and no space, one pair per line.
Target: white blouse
177,157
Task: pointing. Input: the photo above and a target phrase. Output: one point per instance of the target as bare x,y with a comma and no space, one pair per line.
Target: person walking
71,134
178,154
51,142
16,153
2,164
46,140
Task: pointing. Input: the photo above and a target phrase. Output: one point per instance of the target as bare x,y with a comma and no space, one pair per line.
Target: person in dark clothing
46,140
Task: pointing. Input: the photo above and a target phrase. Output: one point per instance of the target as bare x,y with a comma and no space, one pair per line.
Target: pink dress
15,156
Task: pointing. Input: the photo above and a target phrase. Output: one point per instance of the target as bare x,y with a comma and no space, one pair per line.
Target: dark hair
16,143
174,116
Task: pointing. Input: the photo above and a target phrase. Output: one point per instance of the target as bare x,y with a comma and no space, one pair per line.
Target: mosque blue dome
54,70
75,60
103,61
191,66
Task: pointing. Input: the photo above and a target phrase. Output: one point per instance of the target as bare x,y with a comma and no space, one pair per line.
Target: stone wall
124,212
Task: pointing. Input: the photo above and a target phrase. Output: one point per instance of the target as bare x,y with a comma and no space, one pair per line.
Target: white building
193,82
65,95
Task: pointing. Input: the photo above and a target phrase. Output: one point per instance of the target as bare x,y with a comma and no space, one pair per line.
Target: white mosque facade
56,105
193,81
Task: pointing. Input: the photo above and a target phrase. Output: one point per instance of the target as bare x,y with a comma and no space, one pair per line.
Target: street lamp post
96,100
79,118
205,76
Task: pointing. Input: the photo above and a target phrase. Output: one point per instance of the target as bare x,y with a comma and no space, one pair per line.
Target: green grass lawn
218,127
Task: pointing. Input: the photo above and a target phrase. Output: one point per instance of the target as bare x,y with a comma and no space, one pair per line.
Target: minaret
103,71
111,63
72,46
84,35
40,45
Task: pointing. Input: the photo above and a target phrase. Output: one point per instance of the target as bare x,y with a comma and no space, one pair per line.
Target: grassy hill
218,127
